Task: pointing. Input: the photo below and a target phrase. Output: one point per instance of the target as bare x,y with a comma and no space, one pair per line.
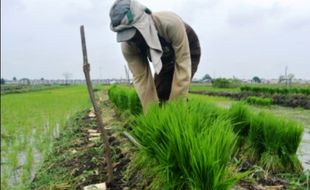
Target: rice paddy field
202,143
296,114
208,142
29,124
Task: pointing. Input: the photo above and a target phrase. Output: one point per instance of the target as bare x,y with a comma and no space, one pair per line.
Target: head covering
127,16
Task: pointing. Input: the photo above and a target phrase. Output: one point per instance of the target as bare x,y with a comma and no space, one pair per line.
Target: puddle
304,150
14,176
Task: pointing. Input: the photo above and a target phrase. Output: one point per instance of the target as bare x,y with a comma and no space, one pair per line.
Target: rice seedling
23,120
125,98
258,101
122,102
240,116
278,90
274,142
27,166
186,146
134,103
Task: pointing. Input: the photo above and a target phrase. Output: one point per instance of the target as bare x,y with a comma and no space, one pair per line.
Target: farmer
162,38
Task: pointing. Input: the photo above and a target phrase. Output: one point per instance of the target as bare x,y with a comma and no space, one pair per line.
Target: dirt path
77,159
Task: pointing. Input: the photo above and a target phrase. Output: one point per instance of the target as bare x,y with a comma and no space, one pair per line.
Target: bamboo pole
103,132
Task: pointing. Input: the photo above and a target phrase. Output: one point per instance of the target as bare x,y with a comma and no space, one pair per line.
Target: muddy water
304,150
15,178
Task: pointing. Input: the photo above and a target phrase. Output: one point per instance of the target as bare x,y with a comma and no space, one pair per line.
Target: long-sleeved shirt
170,27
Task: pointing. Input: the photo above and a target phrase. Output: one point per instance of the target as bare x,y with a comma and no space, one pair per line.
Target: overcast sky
241,38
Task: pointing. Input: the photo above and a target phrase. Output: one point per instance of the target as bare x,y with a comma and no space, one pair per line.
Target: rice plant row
125,98
266,140
186,146
190,145
305,91
258,101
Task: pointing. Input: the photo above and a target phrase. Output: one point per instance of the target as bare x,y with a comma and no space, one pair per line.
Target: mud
294,100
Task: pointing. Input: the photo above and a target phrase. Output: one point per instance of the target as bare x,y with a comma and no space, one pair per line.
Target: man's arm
142,75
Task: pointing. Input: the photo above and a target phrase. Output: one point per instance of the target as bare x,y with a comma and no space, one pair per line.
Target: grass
29,120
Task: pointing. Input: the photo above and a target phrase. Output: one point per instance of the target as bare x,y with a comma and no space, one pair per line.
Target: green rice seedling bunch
134,103
122,102
277,90
119,95
258,101
240,116
111,93
274,142
27,167
187,148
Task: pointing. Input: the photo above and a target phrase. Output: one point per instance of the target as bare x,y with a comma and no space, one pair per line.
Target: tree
2,81
256,79
207,77
14,79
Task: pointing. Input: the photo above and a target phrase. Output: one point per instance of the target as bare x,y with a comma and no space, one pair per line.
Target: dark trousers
163,80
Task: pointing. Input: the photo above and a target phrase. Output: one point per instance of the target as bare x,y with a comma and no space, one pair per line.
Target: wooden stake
104,135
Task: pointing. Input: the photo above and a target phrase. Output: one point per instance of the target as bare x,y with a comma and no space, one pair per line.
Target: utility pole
127,74
286,79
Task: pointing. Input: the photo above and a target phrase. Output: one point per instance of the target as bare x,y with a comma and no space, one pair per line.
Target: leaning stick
103,132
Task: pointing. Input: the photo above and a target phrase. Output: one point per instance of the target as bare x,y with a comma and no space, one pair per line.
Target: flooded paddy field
29,123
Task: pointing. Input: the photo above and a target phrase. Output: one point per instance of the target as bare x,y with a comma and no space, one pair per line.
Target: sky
240,38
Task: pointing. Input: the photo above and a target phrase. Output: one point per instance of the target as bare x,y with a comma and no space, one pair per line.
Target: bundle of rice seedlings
240,116
122,102
134,103
274,142
119,96
113,94
258,101
186,146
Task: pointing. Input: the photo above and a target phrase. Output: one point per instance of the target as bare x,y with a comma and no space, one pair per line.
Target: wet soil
288,100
